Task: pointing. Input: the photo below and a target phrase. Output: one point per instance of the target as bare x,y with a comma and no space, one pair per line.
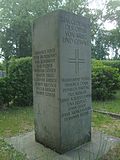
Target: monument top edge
59,12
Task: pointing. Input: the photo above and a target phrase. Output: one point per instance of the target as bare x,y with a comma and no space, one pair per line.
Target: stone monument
62,80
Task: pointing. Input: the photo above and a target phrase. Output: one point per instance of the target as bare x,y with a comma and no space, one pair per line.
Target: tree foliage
17,16
113,11
113,41
1,66
100,46
16,22
113,15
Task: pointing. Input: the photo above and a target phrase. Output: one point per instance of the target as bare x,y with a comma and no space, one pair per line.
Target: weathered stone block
62,80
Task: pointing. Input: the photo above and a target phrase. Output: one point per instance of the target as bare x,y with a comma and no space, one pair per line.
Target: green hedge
5,92
17,87
112,63
20,74
105,81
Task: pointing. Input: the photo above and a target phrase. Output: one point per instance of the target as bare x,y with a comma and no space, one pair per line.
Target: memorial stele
62,80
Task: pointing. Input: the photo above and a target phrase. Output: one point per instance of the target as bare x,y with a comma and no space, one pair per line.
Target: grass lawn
110,105
105,123
16,120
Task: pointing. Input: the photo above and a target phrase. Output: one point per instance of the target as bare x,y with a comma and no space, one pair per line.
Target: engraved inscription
77,97
75,32
45,72
76,61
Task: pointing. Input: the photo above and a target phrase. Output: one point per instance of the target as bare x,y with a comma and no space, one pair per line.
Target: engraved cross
76,61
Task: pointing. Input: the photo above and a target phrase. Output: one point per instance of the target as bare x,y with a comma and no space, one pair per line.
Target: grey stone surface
62,80
99,145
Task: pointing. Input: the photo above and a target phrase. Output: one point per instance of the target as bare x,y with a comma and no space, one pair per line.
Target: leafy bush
5,91
105,81
96,63
112,63
1,66
18,86
20,73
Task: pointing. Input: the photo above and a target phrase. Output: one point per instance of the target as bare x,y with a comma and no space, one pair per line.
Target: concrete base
99,146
